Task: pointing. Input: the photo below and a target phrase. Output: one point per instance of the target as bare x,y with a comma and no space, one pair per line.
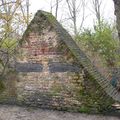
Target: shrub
101,41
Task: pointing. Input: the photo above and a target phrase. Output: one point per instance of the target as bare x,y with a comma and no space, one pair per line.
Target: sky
107,11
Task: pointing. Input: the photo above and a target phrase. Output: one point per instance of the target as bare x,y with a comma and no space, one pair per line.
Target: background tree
55,5
13,21
97,10
117,13
75,7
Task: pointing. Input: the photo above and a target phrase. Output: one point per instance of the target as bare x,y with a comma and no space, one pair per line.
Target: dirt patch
23,113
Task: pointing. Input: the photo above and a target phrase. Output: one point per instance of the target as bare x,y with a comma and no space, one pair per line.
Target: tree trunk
27,5
117,13
56,11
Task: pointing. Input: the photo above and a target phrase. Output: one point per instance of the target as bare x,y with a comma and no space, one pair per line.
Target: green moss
2,86
52,19
94,97
84,109
56,89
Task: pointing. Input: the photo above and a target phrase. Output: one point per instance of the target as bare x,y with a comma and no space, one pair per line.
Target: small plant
2,86
84,109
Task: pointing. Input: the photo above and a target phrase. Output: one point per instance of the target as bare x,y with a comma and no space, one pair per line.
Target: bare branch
7,3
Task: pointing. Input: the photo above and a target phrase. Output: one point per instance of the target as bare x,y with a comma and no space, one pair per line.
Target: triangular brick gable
48,45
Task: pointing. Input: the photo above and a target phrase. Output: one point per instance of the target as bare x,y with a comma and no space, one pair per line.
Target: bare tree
24,6
97,10
54,5
73,13
27,5
75,7
56,11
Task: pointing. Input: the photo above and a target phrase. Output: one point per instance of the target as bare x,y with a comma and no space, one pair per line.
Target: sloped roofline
79,55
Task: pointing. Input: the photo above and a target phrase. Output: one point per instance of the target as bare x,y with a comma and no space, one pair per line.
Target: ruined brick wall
57,83
52,72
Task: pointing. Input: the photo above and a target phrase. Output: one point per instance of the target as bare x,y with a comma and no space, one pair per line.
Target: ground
8,112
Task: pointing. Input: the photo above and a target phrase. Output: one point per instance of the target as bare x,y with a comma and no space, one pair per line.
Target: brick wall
51,88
